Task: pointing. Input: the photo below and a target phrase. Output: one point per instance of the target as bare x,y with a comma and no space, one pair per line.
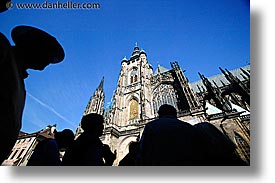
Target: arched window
164,94
133,76
133,109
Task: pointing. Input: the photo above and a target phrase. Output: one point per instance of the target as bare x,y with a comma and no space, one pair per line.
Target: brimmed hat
37,43
4,5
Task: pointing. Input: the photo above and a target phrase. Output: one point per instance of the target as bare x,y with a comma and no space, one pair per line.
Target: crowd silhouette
46,153
166,141
87,149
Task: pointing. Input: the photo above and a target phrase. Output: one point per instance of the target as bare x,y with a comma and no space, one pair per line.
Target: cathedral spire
214,93
96,102
136,50
245,72
239,87
100,86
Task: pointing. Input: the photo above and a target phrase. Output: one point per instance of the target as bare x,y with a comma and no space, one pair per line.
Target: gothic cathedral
223,101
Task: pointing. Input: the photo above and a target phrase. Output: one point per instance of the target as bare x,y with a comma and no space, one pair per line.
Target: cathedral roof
219,79
160,69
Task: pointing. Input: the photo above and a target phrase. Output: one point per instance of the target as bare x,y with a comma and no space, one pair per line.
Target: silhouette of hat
34,41
64,138
3,5
66,133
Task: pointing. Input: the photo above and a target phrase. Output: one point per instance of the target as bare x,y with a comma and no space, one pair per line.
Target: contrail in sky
50,109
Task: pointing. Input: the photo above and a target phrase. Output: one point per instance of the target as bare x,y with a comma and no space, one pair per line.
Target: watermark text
54,5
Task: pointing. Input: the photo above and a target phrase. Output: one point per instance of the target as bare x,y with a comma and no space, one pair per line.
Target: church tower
131,100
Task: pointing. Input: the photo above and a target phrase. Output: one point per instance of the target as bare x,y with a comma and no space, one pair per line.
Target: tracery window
133,109
164,94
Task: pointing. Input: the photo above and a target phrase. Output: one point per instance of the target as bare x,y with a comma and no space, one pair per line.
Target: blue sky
201,35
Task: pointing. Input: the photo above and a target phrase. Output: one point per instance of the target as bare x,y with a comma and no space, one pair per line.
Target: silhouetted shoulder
169,122
4,40
4,46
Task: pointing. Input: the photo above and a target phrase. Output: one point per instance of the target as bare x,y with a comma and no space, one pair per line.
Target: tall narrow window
133,76
133,109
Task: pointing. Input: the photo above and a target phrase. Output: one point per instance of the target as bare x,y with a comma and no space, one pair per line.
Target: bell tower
131,100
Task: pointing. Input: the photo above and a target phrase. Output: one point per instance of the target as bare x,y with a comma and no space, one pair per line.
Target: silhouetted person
46,153
218,149
3,5
87,149
131,158
168,141
34,49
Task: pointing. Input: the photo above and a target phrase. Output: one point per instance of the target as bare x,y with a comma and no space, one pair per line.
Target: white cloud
50,109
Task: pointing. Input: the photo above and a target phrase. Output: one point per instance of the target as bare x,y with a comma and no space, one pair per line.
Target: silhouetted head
64,138
93,123
35,49
167,111
4,5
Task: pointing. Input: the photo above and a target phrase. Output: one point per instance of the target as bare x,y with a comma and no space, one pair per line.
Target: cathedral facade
223,100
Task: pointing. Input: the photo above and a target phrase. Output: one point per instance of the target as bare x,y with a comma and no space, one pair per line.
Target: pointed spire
222,83
96,102
244,77
201,76
215,84
199,88
124,60
100,86
158,69
245,72
136,50
222,71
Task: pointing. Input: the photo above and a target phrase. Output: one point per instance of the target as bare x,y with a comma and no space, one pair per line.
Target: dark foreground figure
218,150
169,141
131,158
34,49
87,149
3,5
46,152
